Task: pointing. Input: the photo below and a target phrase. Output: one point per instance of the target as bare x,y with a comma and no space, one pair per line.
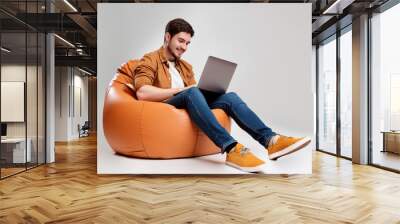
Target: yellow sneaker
242,158
286,145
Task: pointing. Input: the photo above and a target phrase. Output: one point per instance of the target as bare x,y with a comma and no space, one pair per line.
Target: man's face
178,44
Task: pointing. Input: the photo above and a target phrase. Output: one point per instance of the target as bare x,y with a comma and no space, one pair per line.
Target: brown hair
178,25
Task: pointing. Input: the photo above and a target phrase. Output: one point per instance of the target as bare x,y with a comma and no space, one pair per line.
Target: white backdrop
271,44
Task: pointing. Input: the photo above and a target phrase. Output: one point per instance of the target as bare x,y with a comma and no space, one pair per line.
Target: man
162,76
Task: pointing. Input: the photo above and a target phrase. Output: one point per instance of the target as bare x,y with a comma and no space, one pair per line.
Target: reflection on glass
346,94
22,90
13,84
327,96
386,89
41,99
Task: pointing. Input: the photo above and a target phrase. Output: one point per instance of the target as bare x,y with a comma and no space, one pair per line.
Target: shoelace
244,150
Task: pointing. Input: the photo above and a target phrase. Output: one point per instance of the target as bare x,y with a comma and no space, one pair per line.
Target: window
346,93
385,88
327,96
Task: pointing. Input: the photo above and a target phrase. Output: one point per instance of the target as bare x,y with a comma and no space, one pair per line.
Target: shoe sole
292,148
256,169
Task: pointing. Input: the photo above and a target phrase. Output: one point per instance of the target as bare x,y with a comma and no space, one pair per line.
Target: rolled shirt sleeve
145,72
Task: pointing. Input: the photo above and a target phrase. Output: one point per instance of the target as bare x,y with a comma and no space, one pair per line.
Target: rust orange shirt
153,69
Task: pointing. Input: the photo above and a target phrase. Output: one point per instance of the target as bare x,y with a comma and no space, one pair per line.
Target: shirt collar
164,58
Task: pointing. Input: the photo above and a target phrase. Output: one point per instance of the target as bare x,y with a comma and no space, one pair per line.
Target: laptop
217,74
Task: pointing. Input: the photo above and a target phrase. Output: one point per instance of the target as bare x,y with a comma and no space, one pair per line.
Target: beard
170,49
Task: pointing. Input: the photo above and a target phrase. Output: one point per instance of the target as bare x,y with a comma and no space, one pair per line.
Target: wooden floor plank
70,191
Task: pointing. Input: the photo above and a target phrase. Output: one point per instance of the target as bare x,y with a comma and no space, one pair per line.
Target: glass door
385,89
327,95
346,93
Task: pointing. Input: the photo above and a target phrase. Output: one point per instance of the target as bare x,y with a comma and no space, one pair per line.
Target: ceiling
76,21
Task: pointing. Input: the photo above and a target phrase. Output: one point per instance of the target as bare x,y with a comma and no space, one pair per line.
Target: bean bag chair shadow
144,129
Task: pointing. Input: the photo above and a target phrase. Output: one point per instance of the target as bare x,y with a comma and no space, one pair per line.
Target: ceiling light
84,71
65,41
70,5
5,50
338,6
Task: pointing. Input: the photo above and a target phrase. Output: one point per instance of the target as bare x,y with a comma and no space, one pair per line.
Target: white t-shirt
176,80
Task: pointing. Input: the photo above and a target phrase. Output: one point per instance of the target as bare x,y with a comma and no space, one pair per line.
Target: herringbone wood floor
70,191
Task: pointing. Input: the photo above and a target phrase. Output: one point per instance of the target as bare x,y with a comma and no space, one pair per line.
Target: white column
50,92
50,99
360,90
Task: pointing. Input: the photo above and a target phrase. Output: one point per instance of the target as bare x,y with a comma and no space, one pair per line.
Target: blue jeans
199,103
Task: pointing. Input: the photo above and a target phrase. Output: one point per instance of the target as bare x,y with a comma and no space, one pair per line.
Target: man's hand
187,87
152,93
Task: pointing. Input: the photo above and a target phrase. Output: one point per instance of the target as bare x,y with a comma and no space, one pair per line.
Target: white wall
80,83
16,72
61,103
13,73
270,42
67,81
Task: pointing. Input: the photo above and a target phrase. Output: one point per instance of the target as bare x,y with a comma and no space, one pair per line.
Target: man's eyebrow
180,38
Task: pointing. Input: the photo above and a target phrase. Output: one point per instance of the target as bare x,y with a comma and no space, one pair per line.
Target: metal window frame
334,37
44,72
387,5
381,9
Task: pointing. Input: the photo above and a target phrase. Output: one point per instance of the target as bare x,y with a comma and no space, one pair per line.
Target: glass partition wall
327,95
334,80
22,77
334,96
345,62
385,89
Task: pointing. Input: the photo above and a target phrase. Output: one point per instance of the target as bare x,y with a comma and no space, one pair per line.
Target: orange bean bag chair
146,129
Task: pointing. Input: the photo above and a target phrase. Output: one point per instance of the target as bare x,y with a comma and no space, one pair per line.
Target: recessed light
84,71
70,5
5,50
64,40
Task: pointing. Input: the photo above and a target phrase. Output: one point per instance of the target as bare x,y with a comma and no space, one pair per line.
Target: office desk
13,150
391,141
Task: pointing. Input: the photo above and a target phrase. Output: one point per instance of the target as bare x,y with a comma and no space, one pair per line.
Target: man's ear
167,37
